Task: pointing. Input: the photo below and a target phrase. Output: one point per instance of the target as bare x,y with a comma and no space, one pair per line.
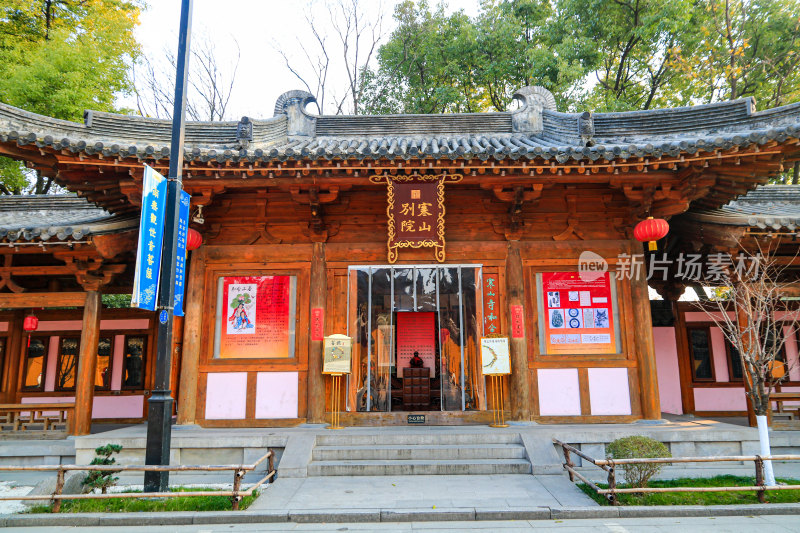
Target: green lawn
700,498
123,505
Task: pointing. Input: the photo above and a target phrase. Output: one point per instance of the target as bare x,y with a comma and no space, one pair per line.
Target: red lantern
31,323
193,239
651,230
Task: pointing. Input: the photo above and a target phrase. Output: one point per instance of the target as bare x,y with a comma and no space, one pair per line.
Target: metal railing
235,495
609,466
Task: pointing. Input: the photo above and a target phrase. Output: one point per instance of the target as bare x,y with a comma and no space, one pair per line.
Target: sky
260,27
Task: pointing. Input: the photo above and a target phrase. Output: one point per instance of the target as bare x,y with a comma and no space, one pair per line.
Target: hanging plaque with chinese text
415,212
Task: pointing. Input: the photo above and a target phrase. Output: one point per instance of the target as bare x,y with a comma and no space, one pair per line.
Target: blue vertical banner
180,257
151,235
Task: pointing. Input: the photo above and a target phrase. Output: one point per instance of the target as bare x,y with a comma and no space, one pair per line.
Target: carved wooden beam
5,275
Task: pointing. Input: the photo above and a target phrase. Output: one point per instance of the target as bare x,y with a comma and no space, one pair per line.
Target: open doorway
394,311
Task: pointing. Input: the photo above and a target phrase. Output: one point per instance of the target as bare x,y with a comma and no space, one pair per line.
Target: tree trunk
763,437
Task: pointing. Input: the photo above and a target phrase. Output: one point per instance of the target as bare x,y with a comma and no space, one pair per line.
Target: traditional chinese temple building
407,233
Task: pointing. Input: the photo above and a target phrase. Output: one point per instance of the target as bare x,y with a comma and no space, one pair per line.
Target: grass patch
700,498
137,505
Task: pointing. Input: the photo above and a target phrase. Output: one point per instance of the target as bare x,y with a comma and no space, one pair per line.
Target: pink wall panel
701,316
39,399
787,404
52,361
609,392
720,399
128,323
103,406
59,325
276,394
669,377
559,393
48,399
75,325
116,365
720,355
791,354
118,407
226,396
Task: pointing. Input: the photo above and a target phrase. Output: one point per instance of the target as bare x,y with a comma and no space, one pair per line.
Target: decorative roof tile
67,217
535,130
765,207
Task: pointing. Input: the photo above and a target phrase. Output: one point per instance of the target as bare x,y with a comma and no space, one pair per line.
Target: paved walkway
744,524
400,493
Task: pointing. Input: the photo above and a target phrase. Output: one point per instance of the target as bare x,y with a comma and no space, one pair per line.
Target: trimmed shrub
99,479
637,447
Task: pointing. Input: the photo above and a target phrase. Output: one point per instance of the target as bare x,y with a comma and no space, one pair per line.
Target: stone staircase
393,454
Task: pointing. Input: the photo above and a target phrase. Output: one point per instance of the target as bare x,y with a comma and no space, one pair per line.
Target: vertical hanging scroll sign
415,211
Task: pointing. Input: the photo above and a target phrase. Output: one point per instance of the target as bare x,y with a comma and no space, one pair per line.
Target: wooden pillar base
87,365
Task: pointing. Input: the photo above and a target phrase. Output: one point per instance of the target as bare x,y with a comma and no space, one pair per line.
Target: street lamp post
159,414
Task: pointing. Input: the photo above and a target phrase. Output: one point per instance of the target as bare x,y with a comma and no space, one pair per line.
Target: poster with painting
241,309
337,350
557,318
553,299
255,317
495,356
601,318
575,323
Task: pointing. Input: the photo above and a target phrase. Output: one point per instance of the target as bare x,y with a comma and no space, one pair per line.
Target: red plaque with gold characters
415,211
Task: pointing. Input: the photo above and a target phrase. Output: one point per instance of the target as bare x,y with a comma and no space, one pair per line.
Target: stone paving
499,492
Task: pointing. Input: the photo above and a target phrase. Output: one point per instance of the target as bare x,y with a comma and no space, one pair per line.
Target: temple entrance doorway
435,311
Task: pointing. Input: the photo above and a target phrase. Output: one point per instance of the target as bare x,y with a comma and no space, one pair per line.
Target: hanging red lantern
31,323
193,239
650,230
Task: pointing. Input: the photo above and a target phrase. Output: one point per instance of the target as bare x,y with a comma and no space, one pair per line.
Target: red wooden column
519,388
15,348
87,364
192,335
316,383
645,347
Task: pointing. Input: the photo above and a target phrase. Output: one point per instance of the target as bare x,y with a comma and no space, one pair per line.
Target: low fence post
271,465
612,484
59,489
568,461
237,485
760,478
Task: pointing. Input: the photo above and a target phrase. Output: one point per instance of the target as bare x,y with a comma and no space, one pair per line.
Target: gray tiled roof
766,207
61,217
650,133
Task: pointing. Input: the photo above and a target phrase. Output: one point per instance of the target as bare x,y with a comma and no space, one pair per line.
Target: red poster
578,314
317,324
416,332
255,317
517,322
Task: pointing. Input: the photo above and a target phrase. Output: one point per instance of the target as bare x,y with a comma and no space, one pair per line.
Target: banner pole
160,404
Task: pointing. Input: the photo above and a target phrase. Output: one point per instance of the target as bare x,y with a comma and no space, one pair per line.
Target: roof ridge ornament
535,100
293,105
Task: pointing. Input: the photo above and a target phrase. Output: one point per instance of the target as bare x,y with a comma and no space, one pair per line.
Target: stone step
419,452
432,437
419,467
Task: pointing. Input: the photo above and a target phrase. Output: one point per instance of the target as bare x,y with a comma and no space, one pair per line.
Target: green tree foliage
601,55
60,57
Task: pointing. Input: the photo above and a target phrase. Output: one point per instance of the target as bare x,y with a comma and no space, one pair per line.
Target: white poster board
495,356
336,353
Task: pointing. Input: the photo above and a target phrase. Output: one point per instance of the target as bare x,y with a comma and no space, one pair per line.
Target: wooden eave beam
28,300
